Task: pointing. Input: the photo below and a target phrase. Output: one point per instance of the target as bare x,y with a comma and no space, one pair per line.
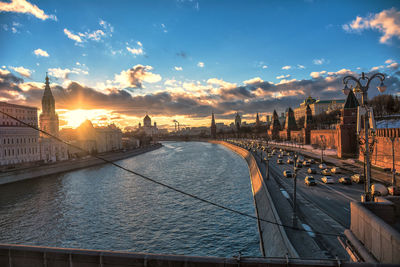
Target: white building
18,143
147,127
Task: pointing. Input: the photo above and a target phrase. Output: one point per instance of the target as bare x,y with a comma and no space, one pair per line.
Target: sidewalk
350,165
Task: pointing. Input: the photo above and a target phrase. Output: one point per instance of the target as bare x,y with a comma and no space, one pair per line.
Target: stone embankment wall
273,238
69,165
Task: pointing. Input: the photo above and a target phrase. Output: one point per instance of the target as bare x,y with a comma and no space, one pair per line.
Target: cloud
316,74
319,61
22,71
135,76
23,6
178,68
72,36
394,65
253,81
283,76
387,22
135,51
64,73
300,66
286,67
200,64
264,67
96,35
221,83
40,53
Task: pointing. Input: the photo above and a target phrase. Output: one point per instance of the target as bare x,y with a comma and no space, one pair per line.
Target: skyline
186,59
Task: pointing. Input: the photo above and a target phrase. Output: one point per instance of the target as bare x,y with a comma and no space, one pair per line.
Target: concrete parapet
274,241
377,236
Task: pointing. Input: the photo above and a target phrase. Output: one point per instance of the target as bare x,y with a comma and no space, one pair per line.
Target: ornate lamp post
364,90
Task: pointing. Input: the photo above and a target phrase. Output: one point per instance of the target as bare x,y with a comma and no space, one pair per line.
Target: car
309,180
327,180
357,178
298,165
312,171
289,161
336,170
322,166
299,160
270,155
326,172
312,161
280,156
288,174
306,164
344,180
279,161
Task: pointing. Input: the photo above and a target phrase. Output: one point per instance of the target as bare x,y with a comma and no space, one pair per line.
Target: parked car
306,163
322,166
326,172
357,178
279,161
312,171
379,190
336,170
309,180
344,180
327,180
289,161
288,174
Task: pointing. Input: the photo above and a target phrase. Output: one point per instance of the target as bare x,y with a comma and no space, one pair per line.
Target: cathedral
147,127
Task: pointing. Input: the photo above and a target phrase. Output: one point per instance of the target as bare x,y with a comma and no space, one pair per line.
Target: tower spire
213,127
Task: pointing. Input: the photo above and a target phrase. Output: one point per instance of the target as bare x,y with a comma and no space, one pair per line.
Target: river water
104,207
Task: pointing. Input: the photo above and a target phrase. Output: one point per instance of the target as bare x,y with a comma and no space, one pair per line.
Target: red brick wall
283,135
297,136
382,155
331,138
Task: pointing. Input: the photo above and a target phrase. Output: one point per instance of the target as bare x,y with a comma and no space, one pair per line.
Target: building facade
318,106
19,143
147,127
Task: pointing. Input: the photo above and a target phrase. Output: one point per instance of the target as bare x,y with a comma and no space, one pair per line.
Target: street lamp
364,89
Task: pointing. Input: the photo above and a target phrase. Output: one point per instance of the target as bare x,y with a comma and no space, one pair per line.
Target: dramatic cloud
23,6
200,64
192,99
134,77
22,71
286,67
72,36
178,68
40,53
316,74
387,22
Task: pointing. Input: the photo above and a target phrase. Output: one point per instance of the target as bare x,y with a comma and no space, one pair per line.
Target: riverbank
270,233
69,165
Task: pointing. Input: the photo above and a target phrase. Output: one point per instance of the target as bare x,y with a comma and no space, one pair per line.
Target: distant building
147,127
93,139
51,150
318,106
238,121
18,143
213,129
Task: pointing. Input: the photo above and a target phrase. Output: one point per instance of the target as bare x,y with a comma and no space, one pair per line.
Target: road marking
284,193
308,229
340,193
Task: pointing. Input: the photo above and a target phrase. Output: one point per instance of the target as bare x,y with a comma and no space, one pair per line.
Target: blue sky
193,42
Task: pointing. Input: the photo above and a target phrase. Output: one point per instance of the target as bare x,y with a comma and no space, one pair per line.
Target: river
104,207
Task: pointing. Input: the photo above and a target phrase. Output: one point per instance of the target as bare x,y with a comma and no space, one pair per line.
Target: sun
76,117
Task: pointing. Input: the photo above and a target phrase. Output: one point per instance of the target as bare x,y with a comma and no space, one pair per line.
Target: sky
116,61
